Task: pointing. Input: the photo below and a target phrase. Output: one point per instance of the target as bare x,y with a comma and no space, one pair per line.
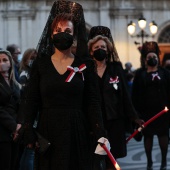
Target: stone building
22,22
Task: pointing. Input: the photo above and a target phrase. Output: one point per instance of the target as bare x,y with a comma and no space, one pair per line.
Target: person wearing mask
116,105
26,153
10,121
15,52
63,89
150,94
25,65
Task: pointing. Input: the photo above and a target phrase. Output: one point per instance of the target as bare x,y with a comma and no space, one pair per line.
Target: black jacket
9,101
117,102
151,95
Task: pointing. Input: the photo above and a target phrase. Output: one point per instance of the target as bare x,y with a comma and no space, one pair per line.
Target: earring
74,43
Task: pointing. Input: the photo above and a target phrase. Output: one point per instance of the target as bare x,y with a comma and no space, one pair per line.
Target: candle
156,116
134,133
146,123
110,156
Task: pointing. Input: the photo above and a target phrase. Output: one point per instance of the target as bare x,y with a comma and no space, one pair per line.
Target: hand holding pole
146,123
110,156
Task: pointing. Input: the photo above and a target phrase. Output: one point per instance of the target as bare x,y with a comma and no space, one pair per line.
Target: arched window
164,41
164,36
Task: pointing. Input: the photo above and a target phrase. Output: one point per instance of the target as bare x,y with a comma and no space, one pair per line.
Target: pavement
136,158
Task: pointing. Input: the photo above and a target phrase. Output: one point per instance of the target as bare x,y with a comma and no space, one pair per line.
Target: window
164,36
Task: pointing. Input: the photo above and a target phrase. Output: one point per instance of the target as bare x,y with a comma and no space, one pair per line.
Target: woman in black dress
63,87
151,93
117,107
10,123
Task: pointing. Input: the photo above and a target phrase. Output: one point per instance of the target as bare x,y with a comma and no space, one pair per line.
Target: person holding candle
116,105
63,90
150,95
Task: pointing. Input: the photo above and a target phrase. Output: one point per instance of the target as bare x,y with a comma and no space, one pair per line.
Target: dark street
136,158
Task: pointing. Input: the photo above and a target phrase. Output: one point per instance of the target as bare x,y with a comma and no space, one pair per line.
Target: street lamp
142,24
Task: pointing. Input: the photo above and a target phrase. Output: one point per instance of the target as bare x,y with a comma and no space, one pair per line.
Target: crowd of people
71,93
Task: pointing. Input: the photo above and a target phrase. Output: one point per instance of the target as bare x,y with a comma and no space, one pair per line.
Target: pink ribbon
155,75
74,70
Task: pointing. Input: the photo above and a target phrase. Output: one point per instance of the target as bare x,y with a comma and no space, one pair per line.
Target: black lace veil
45,45
149,46
104,31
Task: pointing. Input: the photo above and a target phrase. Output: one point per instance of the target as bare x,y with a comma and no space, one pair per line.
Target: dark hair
62,17
26,56
11,48
149,47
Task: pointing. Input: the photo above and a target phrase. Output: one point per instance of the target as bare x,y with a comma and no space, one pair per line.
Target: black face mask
152,62
62,40
99,54
167,66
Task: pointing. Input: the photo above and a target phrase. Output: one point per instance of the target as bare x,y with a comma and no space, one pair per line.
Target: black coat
117,103
9,102
118,111
149,93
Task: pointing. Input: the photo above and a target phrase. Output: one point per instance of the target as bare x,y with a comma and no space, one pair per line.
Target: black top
116,101
151,93
9,102
67,111
118,111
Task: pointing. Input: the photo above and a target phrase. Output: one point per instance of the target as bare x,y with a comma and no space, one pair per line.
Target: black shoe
149,166
163,168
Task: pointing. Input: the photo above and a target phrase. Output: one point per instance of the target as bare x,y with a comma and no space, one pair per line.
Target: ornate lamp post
142,24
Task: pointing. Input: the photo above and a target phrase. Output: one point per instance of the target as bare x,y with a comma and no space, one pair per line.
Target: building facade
22,22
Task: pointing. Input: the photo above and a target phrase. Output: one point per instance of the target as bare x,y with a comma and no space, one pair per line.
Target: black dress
118,111
68,110
151,93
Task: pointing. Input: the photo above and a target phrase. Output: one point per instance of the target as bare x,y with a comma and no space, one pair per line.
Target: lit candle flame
166,109
117,166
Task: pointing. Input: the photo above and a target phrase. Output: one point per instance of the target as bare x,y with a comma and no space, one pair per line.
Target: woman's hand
15,134
99,150
140,122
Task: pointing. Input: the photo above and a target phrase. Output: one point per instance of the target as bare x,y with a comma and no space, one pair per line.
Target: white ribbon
114,81
155,75
74,70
